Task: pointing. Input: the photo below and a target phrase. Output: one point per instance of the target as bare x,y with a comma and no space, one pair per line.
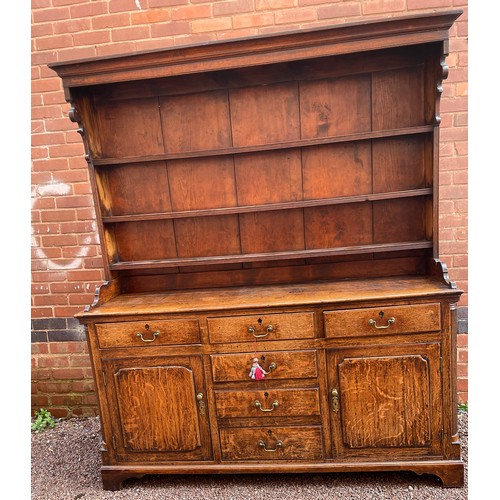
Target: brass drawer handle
269,329
258,404
155,334
390,322
279,444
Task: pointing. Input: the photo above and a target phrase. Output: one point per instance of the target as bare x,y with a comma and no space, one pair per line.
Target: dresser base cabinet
268,213
357,376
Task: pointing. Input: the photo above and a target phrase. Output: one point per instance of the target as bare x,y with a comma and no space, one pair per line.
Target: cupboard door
385,401
158,408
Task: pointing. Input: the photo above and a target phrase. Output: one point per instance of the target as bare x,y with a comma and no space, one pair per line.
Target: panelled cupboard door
385,401
158,408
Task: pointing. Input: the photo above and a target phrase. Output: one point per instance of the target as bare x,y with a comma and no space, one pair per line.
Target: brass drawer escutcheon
335,400
201,403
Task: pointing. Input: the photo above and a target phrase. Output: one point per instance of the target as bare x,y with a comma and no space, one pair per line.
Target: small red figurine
257,372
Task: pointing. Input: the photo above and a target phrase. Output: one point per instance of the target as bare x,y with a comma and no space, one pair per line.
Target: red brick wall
462,364
66,258
63,379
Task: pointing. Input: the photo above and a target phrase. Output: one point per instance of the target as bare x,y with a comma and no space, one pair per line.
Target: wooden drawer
288,365
272,443
148,333
273,402
282,326
383,320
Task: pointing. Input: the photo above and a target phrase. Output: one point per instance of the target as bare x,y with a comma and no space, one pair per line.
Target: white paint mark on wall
54,188
138,4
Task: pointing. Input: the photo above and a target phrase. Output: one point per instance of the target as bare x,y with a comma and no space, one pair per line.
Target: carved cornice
327,41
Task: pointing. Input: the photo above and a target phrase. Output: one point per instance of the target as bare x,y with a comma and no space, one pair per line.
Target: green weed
43,420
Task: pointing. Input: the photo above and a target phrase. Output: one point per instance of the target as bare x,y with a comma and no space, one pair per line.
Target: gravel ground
65,463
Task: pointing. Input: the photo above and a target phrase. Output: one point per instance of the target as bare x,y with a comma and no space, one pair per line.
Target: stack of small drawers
278,416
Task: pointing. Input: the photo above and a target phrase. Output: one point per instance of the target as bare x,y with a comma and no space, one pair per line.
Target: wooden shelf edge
290,205
254,257
363,136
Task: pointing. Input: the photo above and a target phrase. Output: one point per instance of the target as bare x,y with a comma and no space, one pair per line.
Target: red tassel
257,372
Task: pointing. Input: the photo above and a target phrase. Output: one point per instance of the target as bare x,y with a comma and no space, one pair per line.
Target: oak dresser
268,213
